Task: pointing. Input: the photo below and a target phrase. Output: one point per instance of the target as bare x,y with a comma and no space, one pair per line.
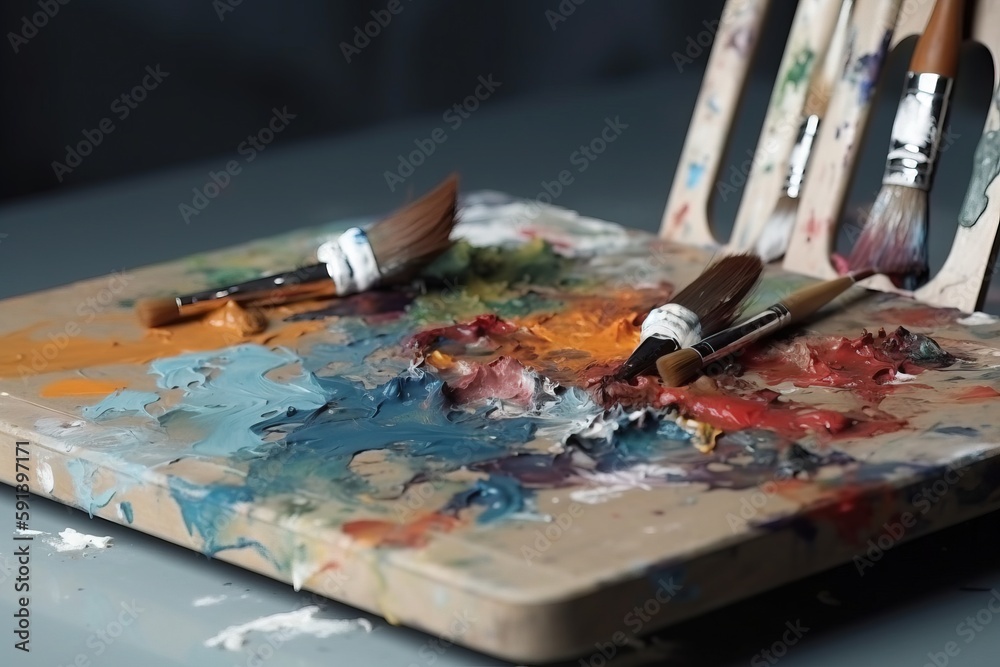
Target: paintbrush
390,252
894,240
773,240
680,367
708,304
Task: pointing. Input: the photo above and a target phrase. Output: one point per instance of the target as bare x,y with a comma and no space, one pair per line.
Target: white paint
208,600
289,624
978,318
901,378
490,218
612,484
72,540
30,532
43,472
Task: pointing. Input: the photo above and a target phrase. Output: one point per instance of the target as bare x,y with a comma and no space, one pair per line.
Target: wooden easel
877,26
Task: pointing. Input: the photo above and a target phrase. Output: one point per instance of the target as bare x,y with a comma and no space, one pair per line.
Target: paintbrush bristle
157,312
680,367
717,295
894,241
773,241
413,236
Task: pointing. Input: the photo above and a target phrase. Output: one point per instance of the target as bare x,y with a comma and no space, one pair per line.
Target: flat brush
894,240
680,367
708,304
774,238
390,252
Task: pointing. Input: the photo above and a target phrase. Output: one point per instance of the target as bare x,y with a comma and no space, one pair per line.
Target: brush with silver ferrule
390,252
708,304
894,239
682,366
773,240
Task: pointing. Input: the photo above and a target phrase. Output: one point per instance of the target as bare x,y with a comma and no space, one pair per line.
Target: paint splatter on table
449,446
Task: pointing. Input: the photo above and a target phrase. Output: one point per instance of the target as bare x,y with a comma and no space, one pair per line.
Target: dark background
230,64
226,75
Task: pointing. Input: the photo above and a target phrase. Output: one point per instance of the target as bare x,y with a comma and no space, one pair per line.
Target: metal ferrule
799,158
917,131
737,337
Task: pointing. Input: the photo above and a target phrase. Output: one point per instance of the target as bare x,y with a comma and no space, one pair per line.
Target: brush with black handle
390,252
711,302
894,240
680,367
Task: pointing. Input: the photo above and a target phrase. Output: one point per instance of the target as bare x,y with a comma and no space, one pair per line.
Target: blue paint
408,417
500,496
126,508
82,473
957,430
122,402
208,510
226,405
695,172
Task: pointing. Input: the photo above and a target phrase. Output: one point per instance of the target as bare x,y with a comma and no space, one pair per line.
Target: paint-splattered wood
808,40
508,508
686,218
877,26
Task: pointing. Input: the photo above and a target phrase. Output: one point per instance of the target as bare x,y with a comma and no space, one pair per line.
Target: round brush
777,232
680,367
894,241
392,251
708,304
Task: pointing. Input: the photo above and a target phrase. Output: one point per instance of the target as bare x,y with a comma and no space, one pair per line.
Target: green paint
491,280
985,169
797,72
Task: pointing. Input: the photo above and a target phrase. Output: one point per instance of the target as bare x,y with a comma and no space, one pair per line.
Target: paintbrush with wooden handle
894,240
682,366
390,252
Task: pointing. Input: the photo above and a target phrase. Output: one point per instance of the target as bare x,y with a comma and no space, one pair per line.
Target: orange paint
379,533
44,348
590,331
80,387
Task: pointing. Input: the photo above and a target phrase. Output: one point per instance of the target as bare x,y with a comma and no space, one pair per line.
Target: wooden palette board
570,569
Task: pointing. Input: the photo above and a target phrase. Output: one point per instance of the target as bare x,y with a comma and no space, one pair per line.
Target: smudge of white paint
72,540
901,378
208,600
28,531
43,472
289,624
977,319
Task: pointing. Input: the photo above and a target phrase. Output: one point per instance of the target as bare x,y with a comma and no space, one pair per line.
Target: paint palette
439,455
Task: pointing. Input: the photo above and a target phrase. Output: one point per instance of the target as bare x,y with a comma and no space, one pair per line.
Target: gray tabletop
926,602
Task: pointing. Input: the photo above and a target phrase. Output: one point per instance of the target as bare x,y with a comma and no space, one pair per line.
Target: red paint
759,409
977,393
379,533
864,364
504,378
850,509
680,215
812,227
467,333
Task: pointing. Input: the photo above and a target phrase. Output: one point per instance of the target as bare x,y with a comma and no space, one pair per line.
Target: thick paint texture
459,402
